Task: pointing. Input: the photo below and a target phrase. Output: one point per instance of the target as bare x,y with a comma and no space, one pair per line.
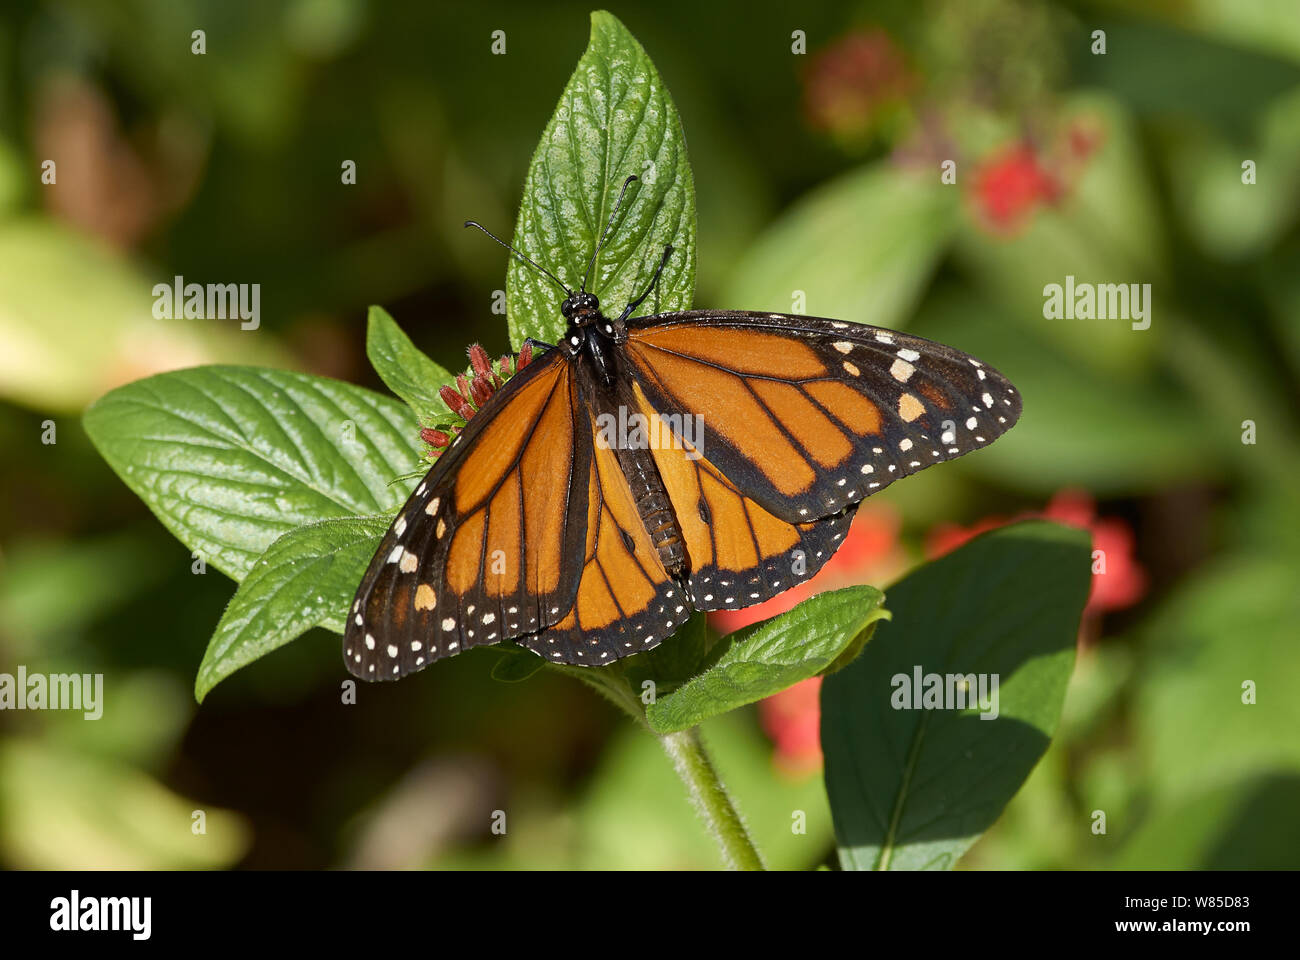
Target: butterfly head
581,308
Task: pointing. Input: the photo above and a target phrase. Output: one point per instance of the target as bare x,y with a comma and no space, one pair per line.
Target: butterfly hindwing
479,552
739,553
807,416
626,602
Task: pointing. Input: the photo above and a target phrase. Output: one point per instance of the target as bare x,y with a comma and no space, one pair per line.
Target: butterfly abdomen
654,508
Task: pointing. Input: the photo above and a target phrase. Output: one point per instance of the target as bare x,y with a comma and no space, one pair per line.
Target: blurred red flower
870,553
1119,581
792,719
1010,186
1015,181
857,86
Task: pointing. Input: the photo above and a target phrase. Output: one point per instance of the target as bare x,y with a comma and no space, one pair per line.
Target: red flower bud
480,391
456,402
478,359
435,438
525,357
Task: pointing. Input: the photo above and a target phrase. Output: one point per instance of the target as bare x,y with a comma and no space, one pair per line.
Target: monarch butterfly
534,526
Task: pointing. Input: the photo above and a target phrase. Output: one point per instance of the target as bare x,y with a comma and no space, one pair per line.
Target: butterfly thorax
594,342
593,335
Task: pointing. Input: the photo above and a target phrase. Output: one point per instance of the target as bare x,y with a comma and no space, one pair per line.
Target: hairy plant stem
691,761
711,799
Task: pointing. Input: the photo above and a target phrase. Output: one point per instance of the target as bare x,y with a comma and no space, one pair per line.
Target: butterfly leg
654,281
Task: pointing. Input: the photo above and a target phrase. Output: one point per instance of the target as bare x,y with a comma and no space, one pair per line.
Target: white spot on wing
901,370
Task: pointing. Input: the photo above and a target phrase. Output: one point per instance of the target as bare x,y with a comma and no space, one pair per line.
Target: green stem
691,760
711,799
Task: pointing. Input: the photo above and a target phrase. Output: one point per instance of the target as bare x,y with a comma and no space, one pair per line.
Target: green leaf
230,458
861,248
614,119
405,370
514,663
1228,219
1134,434
765,658
305,579
673,662
912,789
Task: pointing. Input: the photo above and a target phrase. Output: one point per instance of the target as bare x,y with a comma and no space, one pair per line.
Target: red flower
434,438
855,86
1011,186
1118,580
1013,183
792,718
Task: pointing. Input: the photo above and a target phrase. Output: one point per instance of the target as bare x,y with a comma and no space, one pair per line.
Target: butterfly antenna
654,282
532,263
609,226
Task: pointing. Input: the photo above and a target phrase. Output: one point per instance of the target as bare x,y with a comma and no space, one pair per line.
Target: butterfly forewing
480,552
807,416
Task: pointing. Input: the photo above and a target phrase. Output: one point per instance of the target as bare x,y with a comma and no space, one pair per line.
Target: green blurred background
816,172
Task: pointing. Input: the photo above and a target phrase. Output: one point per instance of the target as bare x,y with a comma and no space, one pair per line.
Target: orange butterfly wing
626,601
527,527
479,553
807,416
739,553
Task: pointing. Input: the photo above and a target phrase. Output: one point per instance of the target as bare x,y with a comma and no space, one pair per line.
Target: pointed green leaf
305,579
614,119
765,658
230,458
912,789
405,370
